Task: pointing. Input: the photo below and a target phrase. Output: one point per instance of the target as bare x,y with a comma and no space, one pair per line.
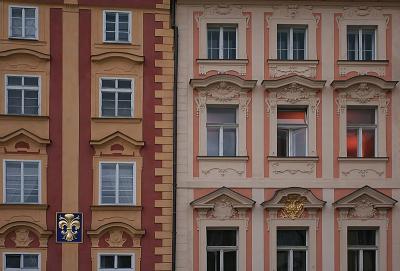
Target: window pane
352,142
361,237
353,260
283,142
213,263
299,36
111,16
30,12
283,260
124,104
14,80
108,104
221,237
123,83
368,143
299,140
352,44
213,42
229,42
283,43
292,238
230,260
31,261
123,36
124,262
14,101
221,115
357,116
110,27
13,261
13,182
369,260
229,142
299,260
108,83
368,40
213,141
16,12
110,36
107,261
108,183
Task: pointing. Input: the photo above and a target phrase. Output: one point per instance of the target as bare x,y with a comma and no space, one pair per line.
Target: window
22,181
117,26
361,132
291,42
222,250
221,131
23,22
116,262
22,95
222,42
15,262
361,43
118,183
292,132
292,250
116,97
362,250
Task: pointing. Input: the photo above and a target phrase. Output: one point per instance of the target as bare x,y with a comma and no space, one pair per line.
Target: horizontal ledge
280,61
363,158
297,158
363,62
222,61
28,117
24,206
223,158
116,208
105,119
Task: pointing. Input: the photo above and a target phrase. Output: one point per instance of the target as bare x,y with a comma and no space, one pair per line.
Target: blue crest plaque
69,227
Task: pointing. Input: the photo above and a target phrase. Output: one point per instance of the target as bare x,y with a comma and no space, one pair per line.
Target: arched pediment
222,81
223,194
22,230
29,52
365,195
112,55
293,81
363,80
117,143
23,140
116,225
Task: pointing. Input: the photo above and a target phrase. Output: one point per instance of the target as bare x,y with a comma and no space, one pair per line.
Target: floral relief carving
363,172
22,238
361,12
306,70
294,206
309,170
363,209
223,209
222,171
116,238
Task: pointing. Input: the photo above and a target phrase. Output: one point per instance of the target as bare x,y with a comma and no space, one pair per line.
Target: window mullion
116,103
221,141
23,22
221,260
22,183
360,45
117,26
117,183
291,43
221,43
360,145
291,260
361,263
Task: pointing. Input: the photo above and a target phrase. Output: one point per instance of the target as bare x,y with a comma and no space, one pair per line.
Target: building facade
86,135
288,136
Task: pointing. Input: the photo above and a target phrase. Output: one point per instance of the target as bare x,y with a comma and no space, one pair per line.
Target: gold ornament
69,225
294,207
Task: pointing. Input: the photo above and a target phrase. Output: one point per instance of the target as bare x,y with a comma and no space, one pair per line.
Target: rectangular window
125,262
22,95
117,26
118,183
291,42
222,42
116,97
221,131
18,261
292,250
361,42
361,132
23,22
22,181
362,250
292,132
222,250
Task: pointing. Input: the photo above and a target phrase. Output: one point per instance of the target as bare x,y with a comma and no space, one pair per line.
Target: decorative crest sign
294,207
69,228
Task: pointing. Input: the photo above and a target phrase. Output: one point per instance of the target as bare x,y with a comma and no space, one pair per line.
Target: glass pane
358,116
291,116
229,142
108,83
107,261
213,42
283,260
123,36
16,12
123,27
299,260
299,37
353,260
352,44
368,40
124,262
292,238
110,16
212,141
124,104
229,42
31,261
283,142
13,182
361,237
14,101
31,81
299,141
221,115
30,12
110,27
368,143
221,237
123,83
369,260
13,261
108,183
110,36
352,142
108,104
14,80
123,17
283,42
230,260
213,263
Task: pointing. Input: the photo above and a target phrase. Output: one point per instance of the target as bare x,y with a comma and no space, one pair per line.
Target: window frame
22,181
21,261
223,249
133,263
290,28
23,37
221,40
359,49
39,88
117,26
361,249
134,195
116,90
290,249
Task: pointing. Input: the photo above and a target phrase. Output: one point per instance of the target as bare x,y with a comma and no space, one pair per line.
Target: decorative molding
223,209
121,55
116,238
364,209
34,228
363,172
223,66
363,67
27,52
223,171
22,238
294,207
293,11
309,170
279,68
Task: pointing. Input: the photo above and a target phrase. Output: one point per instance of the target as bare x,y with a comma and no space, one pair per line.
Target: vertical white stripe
328,223
258,231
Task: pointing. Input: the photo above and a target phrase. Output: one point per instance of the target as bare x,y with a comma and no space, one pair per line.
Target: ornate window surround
365,207
293,207
222,208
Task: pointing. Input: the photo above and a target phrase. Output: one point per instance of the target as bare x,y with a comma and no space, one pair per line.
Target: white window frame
134,199
221,127
222,249
290,41
22,176
21,253
115,261
117,90
23,22
290,249
360,48
39,88
361,249
221,39
117,26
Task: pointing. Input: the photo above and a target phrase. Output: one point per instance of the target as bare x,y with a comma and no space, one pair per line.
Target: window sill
363,66
27,117
116,207
279,68
363,159
222,158
222,65
23,39
24,206
116,119
296,158
117,42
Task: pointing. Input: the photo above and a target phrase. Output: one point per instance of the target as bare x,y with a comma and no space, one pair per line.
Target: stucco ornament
283,69
223,209
364,209
116,238
22,238
294,207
